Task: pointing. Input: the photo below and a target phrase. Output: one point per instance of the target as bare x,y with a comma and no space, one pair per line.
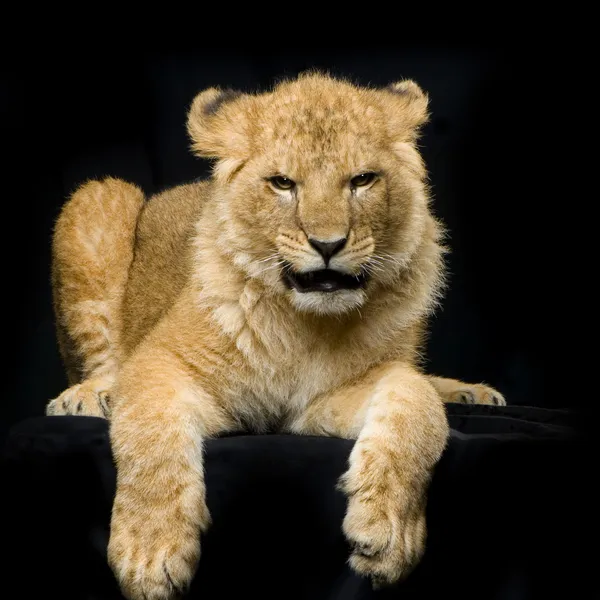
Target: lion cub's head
320,187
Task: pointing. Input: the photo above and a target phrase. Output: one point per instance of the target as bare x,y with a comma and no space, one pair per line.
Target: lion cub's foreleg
160,418
401,428
92,250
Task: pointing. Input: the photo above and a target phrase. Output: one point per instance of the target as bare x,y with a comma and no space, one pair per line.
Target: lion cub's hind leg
92,250
90,398
453,390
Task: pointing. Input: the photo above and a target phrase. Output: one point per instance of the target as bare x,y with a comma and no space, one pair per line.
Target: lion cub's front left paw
384,523
89,398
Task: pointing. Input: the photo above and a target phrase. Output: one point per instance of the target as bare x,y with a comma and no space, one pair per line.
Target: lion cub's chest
270,393
283,366
279,361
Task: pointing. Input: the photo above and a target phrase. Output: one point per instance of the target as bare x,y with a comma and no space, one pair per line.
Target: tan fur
176,309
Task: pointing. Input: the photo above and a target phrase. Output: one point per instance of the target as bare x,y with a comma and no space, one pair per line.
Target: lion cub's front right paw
90,398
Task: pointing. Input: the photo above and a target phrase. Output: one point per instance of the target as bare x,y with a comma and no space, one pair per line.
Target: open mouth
322,280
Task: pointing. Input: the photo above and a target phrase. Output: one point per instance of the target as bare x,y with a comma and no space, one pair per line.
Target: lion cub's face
320,185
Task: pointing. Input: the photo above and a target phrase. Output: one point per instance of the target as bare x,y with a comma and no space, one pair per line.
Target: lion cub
289,290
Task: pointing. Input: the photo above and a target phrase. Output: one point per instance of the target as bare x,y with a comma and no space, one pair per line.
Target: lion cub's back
161,262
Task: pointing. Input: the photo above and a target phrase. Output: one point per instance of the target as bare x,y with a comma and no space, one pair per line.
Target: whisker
390,259
268,258
269,268
262,260
373,266
377,262
371,270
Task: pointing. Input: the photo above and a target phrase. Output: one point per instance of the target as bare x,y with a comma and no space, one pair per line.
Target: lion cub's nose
327,249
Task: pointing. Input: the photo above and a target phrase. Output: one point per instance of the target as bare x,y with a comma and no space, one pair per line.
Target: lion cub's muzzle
322,280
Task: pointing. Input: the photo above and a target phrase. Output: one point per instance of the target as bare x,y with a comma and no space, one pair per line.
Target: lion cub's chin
328,303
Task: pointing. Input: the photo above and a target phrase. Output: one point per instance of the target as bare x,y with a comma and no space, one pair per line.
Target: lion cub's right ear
217,124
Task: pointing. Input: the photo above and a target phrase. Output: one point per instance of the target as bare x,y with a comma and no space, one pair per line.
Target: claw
467,398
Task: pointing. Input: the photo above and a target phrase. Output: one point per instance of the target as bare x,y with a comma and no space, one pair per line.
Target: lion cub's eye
362,179
282,183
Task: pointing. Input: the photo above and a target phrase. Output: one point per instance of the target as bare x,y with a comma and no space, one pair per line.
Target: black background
497,148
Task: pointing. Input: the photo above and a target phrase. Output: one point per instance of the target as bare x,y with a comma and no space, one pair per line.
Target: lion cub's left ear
217,124
407,109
